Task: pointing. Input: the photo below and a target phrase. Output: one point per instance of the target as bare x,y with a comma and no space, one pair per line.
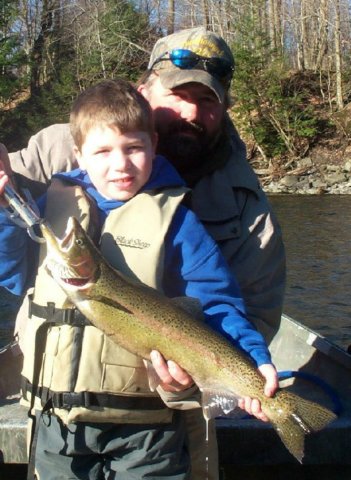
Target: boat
314,368
309,365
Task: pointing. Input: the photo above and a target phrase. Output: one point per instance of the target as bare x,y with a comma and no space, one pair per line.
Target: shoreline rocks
310,179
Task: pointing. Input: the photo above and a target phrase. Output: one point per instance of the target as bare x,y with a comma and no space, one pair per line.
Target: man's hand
5,161
252,405
172,377
5,172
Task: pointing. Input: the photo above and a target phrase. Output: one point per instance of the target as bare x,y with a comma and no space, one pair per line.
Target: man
187,84
196,134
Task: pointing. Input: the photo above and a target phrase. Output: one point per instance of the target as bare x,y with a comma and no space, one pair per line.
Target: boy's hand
252,405
173,378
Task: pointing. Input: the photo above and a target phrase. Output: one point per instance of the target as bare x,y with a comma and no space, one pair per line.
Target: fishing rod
23,212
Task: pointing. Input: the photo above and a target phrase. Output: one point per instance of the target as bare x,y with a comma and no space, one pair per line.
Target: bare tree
275,24
44,45
338,61
170,16
322,38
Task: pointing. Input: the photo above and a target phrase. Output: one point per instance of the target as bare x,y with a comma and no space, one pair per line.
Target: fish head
72,260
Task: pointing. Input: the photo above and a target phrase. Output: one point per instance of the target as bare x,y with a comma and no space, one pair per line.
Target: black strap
40,342
68,400
91,399
67,316
34,441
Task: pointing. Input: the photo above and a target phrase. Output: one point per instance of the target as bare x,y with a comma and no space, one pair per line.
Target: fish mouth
76,282
69,260
68,275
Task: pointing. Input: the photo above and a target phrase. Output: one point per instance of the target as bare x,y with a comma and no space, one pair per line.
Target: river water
317,236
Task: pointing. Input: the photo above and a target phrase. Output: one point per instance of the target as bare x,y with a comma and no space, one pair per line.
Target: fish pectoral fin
154,379
216,403
109,301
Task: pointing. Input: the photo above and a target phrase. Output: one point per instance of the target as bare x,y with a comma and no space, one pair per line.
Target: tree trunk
206,14
170,16
323,34
303,37
38,50
337,40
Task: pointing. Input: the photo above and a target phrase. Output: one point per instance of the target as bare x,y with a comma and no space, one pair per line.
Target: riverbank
311,178
326,169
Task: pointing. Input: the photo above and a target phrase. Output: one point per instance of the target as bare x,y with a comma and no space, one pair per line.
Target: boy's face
118,164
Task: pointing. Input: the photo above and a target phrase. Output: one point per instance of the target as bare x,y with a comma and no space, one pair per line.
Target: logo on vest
131,242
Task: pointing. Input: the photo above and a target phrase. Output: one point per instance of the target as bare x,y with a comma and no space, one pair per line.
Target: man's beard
185,144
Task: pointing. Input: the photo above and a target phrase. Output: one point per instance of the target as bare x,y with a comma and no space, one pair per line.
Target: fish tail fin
304,418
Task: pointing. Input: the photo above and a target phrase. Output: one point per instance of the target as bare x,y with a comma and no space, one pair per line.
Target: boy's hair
110,103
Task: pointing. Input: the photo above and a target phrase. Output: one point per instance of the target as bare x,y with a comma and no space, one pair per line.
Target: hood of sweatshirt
163,175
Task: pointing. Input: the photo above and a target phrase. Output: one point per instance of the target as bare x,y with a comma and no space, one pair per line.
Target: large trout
141,319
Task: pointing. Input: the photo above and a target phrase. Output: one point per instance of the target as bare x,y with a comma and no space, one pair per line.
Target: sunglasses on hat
187,60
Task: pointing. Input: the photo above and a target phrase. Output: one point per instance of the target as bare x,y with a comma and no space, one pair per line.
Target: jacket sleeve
13,256
184,400
194,266
237,214
258,262
49,151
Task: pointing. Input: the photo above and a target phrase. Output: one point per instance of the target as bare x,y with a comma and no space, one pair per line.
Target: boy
98,416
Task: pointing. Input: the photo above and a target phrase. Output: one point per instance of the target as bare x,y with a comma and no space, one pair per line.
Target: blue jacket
194,265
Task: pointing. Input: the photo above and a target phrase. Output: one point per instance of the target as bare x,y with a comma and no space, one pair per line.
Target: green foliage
75,47
12,56
37,112
11,59
112,44
270,107
110,39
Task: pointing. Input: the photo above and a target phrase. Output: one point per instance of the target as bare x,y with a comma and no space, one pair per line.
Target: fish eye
79,242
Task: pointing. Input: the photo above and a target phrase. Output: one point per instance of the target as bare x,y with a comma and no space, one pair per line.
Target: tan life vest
78,361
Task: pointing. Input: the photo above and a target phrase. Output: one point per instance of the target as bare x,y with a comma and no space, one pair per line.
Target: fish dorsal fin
217,403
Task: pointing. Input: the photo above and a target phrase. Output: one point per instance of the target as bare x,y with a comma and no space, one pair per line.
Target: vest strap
67,316
68,400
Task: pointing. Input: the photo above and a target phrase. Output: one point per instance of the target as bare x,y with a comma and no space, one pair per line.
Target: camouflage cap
202,42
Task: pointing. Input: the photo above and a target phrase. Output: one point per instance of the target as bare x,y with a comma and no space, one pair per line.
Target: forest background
291,88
